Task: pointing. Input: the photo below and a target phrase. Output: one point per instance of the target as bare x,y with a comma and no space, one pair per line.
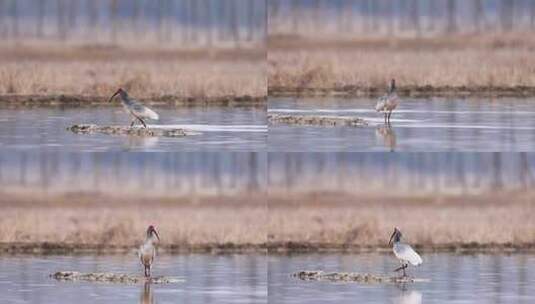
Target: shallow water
453,279
133,173
437,124
221,128
206,279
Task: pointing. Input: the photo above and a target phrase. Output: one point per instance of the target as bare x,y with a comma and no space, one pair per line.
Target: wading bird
388,102
147,251
135,108
403,252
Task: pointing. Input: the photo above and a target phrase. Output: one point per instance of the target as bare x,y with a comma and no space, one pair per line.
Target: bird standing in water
403,252
135,108
147,251
388,102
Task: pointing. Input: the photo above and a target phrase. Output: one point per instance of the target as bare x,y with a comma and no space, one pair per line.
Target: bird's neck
150,239
124,97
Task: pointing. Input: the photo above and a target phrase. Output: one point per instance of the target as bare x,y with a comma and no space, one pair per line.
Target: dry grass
109,222
372,69
336,220
482,221
436,63
144,73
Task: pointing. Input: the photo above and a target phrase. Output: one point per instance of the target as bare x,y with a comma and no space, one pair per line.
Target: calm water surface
221,128
206,279
453,279
436,124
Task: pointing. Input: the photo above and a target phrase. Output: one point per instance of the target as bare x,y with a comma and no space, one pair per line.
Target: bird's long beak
115,94
156,234
391,237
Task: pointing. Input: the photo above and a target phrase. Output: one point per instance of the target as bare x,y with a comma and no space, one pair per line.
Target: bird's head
392,86
151,231
119,91
395,237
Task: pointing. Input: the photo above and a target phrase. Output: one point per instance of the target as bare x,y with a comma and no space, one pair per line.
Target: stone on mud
316,120
126,130
366,278
110,277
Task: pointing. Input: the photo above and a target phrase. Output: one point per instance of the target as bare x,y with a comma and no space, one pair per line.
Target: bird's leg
385,117
149,270
389,114
144,125
132,122
141,120
145,267
400,268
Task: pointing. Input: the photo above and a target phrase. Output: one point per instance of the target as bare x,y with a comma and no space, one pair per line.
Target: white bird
388,102
403,252
147,251
135,108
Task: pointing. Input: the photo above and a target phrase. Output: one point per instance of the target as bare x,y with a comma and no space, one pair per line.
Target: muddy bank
366,278
282,248
461,248
46,248
109,277
316,120
130,131
14,100
405,91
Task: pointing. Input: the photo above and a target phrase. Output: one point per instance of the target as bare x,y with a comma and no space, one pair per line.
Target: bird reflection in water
387,134
146,295
407,296
133,142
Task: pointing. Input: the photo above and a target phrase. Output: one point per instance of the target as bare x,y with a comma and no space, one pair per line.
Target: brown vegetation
488,63
312,222
100,222
70,223
145,73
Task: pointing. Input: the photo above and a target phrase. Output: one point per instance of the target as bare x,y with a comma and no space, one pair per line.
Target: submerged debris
122,130
317,120
351,277
110,277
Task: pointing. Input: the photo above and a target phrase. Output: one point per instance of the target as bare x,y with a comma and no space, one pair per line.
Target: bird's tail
152,115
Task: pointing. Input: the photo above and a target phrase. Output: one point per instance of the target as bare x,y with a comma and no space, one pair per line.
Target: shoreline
169,100
273,248
461,248
49,248
406,91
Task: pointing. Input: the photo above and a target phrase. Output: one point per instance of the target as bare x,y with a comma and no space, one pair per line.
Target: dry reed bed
106,221
428,69
144,72
126,226
430,224
458,64
141,79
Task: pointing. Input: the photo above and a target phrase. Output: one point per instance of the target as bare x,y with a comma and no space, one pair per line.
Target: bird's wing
142,111
405,252
380,106
140,254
